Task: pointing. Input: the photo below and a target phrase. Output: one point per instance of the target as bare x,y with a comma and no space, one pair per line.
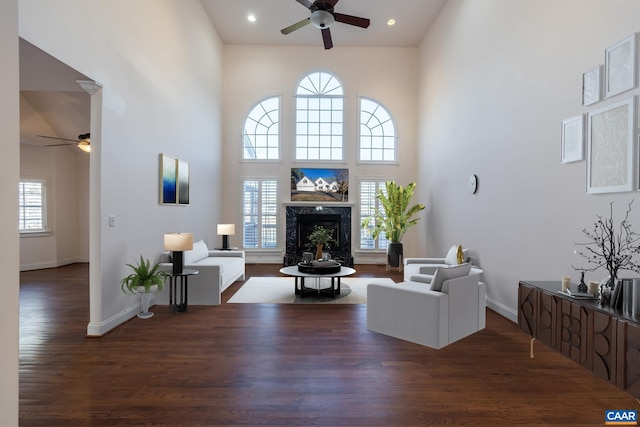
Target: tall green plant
396,216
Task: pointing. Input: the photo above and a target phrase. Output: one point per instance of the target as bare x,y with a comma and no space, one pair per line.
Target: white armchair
419,313
428,266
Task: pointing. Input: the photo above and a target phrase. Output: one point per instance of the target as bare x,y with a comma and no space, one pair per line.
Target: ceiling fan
83,142
322,17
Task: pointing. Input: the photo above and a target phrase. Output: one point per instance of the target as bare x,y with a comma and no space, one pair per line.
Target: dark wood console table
600,338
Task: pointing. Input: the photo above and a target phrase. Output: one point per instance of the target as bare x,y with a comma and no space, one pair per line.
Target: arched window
261,134
319,118
377,133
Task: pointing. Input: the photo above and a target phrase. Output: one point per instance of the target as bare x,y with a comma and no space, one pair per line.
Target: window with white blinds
259,213
32,215
368,205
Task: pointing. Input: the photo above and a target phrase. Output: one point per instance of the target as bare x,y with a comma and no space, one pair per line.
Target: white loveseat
217,270
426,314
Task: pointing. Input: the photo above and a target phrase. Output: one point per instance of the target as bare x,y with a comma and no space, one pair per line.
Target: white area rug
280,290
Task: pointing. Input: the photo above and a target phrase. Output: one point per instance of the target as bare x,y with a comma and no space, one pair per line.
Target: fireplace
300,223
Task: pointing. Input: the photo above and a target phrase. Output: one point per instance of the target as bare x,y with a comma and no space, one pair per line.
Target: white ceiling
62,107
51,102
413,18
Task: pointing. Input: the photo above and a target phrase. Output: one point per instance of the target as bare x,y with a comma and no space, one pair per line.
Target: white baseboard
503,310
50,264
99,329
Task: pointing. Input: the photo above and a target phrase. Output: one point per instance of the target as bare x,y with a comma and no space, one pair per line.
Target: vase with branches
610,246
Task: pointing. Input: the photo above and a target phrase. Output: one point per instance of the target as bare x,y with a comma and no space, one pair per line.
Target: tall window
377,132
319,118
259,213
368,205
261,134
32,204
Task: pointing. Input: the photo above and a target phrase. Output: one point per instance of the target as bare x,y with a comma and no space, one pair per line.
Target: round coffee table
303,290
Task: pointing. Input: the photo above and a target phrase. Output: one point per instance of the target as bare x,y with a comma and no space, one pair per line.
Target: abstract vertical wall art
168,180
183,182
174,181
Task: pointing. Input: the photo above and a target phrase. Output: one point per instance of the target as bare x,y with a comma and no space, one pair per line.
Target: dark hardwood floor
267,364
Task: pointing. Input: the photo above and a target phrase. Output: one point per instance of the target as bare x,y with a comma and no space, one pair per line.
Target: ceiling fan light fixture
84,146
322,19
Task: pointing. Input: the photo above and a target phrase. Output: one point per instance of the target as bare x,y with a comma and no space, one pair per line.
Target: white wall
496,79
161,93
9,261
252,73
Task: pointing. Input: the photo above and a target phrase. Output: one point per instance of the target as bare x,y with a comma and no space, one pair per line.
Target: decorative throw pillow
446,273
198,253
452,256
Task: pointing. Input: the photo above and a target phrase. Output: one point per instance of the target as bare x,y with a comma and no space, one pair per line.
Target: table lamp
177,243
226,230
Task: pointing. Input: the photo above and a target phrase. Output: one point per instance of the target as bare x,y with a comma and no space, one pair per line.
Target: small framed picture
592,85
572,139
620,66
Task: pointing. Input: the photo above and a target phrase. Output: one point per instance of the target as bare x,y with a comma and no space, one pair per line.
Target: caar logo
621,418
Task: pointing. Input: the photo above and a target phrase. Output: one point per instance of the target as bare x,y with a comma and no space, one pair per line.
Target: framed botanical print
572,139
620,66
610,152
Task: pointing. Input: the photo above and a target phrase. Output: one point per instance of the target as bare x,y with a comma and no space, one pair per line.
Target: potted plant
145,281
321,237
394,218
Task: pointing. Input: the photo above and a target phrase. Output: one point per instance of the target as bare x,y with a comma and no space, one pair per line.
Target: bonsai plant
320,237
145,280
394,218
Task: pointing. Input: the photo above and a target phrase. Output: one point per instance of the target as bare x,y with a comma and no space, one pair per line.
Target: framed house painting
572,139
319,185
610,152
620,66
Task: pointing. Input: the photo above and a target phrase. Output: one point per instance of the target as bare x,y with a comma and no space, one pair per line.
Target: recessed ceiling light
251,17
391,22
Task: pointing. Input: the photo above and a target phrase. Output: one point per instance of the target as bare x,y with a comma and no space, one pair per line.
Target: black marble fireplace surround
300,221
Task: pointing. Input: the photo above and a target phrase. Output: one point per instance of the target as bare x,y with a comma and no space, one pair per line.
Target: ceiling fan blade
61,139
326,38
305,3
352,20
296,26
59,145
332,3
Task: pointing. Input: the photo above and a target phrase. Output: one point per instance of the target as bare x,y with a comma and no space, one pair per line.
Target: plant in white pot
394,218
145,281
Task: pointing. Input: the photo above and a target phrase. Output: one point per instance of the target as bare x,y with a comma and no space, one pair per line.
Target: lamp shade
226,229
178,242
